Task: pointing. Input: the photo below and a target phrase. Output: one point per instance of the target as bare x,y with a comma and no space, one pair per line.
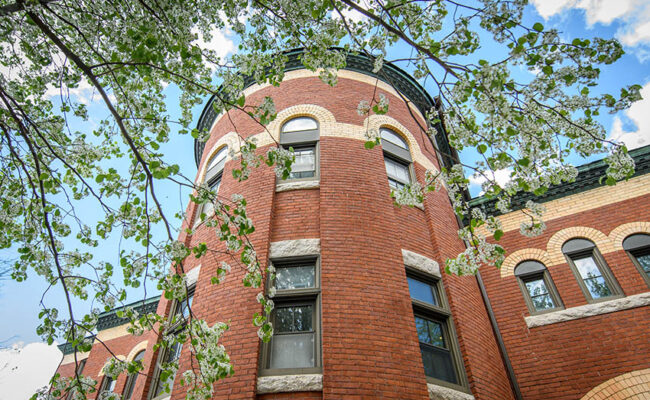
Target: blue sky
629,21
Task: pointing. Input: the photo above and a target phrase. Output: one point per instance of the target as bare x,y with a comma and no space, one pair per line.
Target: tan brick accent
136,349
554,246
509,264
621,232
588,200
69,358
119,357
231,139
634,385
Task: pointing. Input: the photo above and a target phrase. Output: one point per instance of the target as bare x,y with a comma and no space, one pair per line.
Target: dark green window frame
578,249
301,140
295,297
107,387
637,247
131,380
441,314
530,270
156,391
397,154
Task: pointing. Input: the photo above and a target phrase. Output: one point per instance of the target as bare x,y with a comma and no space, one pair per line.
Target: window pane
293,319
393,138
292,351
183,308
438,363
171,355
300,124
592,277
295,277
542,302
430,332
214,186
305,164
422,291
221,156
644,261
132,379
397,171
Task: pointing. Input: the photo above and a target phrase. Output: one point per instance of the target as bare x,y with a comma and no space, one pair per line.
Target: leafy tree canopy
129,51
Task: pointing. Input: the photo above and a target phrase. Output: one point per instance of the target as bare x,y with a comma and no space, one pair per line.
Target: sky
27,364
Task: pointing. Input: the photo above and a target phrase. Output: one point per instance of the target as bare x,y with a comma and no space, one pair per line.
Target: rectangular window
540,296
398,173
439,348
214,185
592,277
108,385
295,345
305,164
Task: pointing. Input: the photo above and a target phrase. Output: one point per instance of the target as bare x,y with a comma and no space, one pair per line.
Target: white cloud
501,176
639,115
220,43
635,14
25,369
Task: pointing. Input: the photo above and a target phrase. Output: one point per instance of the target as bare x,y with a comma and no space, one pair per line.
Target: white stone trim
296,185
69,358
421,263
437,392
588,310
192,275
290,383
294,248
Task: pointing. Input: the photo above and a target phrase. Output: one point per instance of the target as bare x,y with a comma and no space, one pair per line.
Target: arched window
397,158
590,269
638,247
130,381
108,386
302,135
537,286
213,176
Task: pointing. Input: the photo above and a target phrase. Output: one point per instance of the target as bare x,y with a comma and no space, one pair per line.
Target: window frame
103,392
398,155
131,379
78,371
441,314
548,282
163,352
637,251
302,139
601,264
211,176
295,297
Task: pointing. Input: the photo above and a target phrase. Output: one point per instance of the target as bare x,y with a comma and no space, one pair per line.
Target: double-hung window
131,380
441,357
162,383
397,159
302,135
536,285
594,277
295,345
213,177
638,247
108,386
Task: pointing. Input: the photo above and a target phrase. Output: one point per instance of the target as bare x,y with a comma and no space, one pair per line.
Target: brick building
363,310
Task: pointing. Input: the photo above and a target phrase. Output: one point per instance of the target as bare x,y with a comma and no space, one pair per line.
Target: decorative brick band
230,139
192,276
509,264
444,393
294,248
632,385
588,310
69,358
622,231
119,357
136,349
421,263
554,246
290,383
286,186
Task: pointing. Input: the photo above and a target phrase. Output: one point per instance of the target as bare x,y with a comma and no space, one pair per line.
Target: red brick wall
567,359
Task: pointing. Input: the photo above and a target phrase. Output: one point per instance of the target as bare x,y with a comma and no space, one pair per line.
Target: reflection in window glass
293,319
294,277
300,124
644,261
394,138
436,355
422,291
218,158
305,164
398,173
172,355
539,294
592,277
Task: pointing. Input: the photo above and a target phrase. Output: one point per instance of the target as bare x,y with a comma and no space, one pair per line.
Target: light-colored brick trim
554,246
437,392
136,349
192,275
633,385
374,122
230,139
290,383
421,263
119,357
588,310
622,231
69,358
294,248
509,264
114,332
296,185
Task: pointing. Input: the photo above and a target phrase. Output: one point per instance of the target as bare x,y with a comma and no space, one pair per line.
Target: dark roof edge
391,74
589,177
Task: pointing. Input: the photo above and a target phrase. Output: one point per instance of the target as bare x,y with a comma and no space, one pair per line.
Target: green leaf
538,27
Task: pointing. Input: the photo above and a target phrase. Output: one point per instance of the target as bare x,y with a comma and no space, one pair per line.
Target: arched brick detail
554,246
509,264
231,139
618,234
374,122
101,370
136,349
634,385
324,117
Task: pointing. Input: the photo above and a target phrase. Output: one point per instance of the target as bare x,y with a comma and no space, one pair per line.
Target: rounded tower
363,309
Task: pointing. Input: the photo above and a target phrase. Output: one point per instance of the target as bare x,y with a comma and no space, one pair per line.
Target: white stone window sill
290,383
588,310
437,392
297,185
